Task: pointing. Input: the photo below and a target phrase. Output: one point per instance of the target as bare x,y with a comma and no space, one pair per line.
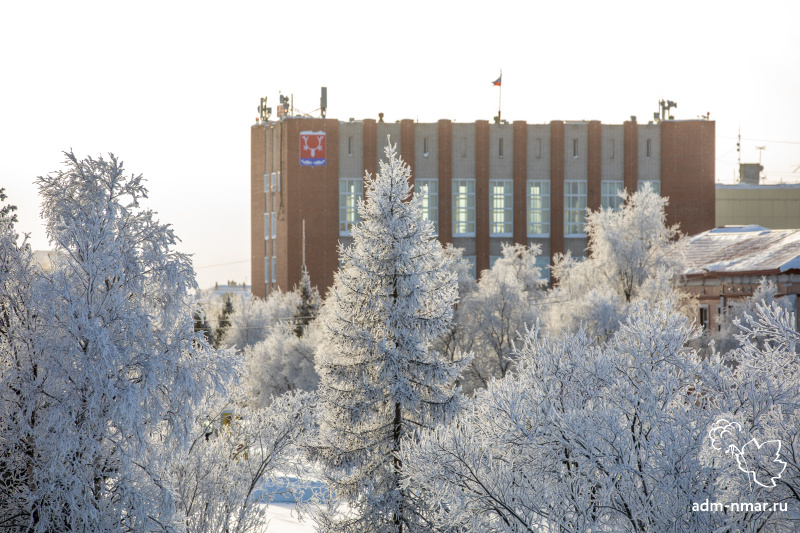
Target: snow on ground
283,519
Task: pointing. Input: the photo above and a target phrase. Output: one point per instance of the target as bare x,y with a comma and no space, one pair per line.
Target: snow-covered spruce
99,360
379,381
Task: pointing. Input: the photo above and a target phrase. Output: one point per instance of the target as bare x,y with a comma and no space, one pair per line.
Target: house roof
743,250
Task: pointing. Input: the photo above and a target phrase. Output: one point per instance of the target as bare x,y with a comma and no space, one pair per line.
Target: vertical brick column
556,188
631,168
445,142
481,195
594,154
520,181
258,206
370,147
407,144
687,174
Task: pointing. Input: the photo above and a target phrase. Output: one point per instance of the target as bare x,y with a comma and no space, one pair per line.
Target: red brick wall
520,181
556,188
481,195
687,174
258,205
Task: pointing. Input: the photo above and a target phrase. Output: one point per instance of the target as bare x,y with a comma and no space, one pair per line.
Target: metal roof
750,250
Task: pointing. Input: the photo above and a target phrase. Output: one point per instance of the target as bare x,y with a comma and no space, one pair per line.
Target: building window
611,149
472,260
609,194
274,268
350,191
350,145
538,148
430,202
654,184
266,269
463,147
266,226
492,260
424,147
702,318
501,208
543,262
500,147
574,208
278,182
272,180
538,208
648,147
273,223
575,148
266,182
463,208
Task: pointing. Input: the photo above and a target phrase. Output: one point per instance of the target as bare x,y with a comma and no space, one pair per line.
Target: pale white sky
172,87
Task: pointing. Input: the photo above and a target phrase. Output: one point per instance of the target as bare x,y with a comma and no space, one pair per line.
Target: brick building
487,183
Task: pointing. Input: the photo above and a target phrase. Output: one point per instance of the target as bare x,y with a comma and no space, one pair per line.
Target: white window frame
266,182
266,269
430,202
273,224
463,208
538,213
501,208
266,226
574,208
351,190
274,268
609,194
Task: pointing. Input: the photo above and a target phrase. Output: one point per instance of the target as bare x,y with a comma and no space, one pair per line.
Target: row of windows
501,202
272,182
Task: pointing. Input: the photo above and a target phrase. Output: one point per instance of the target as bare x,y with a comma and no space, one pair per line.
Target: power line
761,140
223,264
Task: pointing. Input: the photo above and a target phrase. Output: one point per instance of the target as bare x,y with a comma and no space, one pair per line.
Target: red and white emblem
312,148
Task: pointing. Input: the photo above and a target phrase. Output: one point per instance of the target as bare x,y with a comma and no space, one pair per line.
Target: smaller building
727,264
771,206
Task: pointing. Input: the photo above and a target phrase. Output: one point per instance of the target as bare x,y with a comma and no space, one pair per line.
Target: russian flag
497,82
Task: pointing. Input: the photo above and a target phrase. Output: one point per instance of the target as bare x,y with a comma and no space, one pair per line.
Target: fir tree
378,379
309,304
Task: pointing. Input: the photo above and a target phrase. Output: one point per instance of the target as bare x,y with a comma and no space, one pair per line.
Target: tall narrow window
266,269
463,147
612,149
350,145
273,222
574,208
274,268
575,148
278,182
538,208
424,147
266,226
463,208
350,191
500,147
430,202
648,147
538,148
609,194
501,208
266,182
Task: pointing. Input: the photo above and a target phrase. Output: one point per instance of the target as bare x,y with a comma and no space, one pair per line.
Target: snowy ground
283,519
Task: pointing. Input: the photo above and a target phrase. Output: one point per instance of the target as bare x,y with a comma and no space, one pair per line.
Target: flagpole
500,100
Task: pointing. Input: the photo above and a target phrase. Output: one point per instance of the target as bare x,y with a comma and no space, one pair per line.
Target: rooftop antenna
760,149
499,83
323,102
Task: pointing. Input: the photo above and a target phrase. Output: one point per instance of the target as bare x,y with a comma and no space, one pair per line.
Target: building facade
771,206
486,183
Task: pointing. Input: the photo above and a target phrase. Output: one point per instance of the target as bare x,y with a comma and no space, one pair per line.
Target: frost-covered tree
502,307
379,381
754,444
252,319
231,472
583,437
633,257
309,305
99,359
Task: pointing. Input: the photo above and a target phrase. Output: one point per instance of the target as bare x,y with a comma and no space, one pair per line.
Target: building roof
743,250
